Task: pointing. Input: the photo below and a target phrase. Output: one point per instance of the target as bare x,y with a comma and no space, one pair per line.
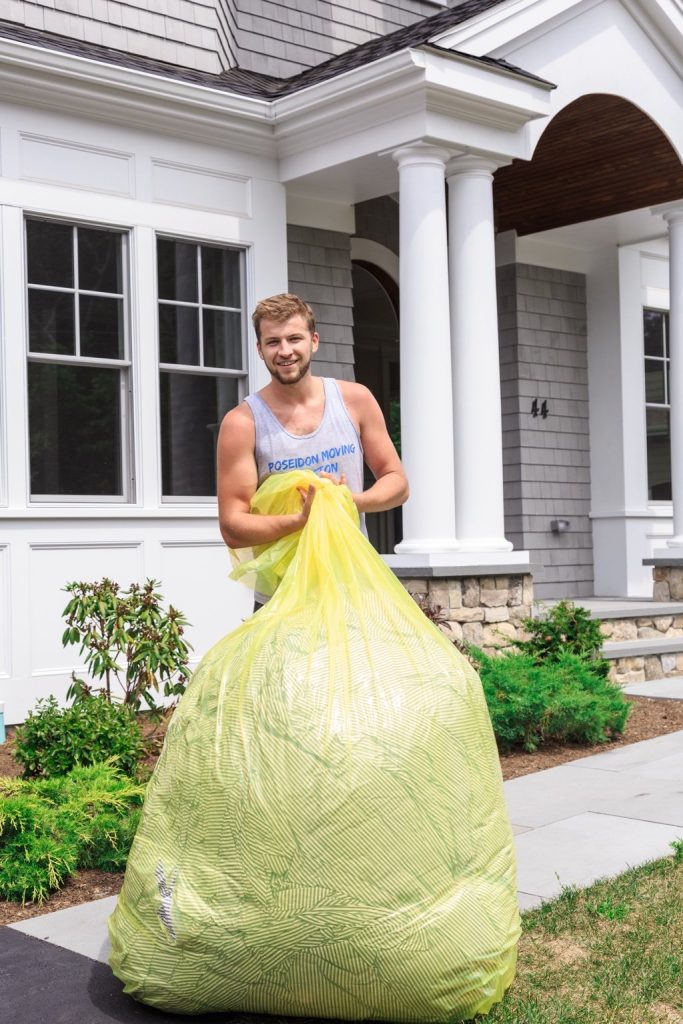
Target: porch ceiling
598,157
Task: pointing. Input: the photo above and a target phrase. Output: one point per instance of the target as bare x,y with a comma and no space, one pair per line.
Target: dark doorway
376,354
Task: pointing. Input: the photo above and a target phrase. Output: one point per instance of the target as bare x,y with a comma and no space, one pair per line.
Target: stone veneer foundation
483,610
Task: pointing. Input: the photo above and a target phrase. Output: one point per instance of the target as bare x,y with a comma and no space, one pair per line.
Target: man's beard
295,378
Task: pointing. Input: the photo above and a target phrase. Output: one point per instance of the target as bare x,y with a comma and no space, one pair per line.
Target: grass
609,954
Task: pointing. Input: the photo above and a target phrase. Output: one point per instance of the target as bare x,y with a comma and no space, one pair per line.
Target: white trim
63,81
308,212
372,252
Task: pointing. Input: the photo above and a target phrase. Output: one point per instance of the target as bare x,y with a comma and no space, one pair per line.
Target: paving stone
635,754
82,929
580,850
672,688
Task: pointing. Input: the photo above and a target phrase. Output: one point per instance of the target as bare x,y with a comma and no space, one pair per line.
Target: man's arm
237,483
391,484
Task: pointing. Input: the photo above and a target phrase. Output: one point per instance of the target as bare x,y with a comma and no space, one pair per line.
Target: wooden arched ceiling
599,156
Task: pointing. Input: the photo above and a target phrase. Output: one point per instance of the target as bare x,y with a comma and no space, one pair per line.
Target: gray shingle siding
546,463
188,33
278,38
377,220
320,272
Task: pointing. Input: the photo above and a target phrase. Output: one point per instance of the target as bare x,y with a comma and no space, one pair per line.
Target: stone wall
668,583
483,610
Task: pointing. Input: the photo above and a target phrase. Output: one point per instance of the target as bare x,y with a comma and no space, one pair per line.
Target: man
300,421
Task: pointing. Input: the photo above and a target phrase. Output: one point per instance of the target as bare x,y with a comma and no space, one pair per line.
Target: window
202,360
78,362
657,404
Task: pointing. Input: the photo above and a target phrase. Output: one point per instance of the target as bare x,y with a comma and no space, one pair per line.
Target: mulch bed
650,717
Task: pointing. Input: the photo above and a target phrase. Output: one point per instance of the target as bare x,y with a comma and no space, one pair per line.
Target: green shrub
51,827
565,629
53,740
560,700
126,637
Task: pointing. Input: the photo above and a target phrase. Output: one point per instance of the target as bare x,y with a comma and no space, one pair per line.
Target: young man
300,421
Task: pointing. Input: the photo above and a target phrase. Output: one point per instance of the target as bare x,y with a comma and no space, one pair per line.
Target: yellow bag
325,833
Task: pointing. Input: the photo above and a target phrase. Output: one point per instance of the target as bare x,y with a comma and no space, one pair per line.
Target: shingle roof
258,86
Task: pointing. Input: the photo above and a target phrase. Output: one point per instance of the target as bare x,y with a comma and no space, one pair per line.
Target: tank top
333,447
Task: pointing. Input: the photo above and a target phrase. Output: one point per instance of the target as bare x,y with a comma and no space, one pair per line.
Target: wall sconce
559,525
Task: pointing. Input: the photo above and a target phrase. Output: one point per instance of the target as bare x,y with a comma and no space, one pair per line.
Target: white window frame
666,359
242,376
125,365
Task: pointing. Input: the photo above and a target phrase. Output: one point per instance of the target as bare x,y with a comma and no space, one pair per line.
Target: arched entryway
583,299
376,355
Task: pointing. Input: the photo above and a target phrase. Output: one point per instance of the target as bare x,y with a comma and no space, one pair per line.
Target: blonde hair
280,308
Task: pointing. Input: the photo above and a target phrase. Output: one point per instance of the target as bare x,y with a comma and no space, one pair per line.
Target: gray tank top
334,447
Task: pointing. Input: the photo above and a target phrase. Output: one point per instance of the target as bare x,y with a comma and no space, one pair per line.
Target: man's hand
339,481
307,496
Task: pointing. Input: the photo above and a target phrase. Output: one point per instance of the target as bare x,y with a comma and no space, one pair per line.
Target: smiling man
299,421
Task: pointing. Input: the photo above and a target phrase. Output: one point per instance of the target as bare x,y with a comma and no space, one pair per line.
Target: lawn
610,954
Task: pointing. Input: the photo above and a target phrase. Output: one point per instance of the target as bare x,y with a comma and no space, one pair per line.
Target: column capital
472,165
421,153
669,211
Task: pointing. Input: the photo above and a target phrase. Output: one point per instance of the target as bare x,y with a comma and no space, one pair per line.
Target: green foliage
51,827
566,628
677,847
560,700
129,638
395,423
53,740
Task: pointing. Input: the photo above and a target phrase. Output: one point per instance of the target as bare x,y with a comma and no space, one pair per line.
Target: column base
460,562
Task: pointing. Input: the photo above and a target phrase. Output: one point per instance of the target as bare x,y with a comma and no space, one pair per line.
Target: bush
126,637
53,740
560,700
565,629
51,827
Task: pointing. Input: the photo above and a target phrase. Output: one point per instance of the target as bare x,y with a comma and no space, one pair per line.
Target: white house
498,183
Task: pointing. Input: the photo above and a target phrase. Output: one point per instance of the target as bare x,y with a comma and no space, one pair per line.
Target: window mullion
200,311
77,304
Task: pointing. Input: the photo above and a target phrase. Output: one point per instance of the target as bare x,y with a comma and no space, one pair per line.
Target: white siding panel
195,576
5,615
51,566
201,188
62,162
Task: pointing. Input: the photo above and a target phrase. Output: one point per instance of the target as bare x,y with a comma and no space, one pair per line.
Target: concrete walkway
573,824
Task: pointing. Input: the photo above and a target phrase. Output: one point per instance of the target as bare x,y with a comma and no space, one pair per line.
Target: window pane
654,332
179,335
658,455
101,327
50,253
220,277
75,429
654,380
222,339
99,261
192,407
177,270
51,322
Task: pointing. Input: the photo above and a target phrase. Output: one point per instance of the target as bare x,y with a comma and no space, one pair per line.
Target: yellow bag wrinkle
325,833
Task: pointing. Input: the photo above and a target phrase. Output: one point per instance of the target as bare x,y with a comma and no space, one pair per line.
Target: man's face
286,348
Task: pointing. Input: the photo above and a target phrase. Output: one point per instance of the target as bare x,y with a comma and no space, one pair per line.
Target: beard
290,377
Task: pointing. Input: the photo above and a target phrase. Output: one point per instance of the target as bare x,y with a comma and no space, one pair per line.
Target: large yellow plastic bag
325,833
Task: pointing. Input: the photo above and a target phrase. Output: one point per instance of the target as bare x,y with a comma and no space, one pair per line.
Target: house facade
483,201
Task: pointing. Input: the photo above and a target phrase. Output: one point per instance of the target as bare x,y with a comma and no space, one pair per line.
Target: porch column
475,363
426,402
674,219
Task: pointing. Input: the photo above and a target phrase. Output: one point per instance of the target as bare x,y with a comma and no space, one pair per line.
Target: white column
674,219
475,362
426,401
